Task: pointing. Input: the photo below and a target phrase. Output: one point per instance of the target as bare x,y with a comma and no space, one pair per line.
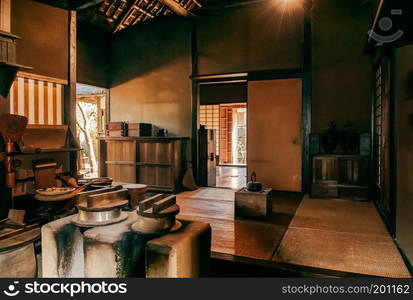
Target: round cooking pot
254,185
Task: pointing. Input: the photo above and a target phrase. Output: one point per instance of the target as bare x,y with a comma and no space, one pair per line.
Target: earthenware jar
349,139
330,137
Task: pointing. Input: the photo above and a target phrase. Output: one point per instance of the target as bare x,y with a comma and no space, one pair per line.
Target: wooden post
70,90
195,99
6,201
307,96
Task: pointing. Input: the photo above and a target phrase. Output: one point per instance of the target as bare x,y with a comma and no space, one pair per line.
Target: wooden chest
117,129
253,204
140,129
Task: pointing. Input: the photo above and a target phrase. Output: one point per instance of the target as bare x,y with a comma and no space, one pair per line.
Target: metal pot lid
103,205
93,219
104,201
13,238
101,209
141,229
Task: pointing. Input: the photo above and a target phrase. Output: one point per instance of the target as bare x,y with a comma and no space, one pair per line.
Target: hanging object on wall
330,137
349,138
12,128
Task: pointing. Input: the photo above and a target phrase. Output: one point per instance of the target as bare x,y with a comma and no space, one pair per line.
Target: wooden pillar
195,104
307,96
70,89
6,197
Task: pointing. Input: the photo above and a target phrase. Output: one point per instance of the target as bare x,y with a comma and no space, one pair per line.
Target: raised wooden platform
351,232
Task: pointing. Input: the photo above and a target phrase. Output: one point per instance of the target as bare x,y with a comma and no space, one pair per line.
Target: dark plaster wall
404,100
44,33
249,38
93,55
341,73
151,65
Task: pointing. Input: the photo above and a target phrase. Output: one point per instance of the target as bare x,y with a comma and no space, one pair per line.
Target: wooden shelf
340,176
153,164
348,156
342,185
57,150
143,138
154,161
32,177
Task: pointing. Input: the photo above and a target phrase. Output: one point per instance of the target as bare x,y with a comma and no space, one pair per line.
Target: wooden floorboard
231,177
256,239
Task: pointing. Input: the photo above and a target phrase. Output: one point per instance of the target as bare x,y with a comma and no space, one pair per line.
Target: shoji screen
40,101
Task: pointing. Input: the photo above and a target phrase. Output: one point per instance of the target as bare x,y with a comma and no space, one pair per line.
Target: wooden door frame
197,81
257,76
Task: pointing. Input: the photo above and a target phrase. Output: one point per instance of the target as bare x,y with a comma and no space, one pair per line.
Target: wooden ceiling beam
125,14
178,9
80,5
146,13
197,3
132,5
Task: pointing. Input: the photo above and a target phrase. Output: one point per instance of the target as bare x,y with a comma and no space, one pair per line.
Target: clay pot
349,139
330,137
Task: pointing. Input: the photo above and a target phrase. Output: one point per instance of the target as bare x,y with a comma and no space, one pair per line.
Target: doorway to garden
229,122
91,119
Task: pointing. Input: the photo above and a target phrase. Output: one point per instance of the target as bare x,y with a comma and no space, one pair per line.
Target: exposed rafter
120,14
177,8
87,3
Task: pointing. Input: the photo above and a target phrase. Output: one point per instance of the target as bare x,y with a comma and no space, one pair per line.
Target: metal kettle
254,185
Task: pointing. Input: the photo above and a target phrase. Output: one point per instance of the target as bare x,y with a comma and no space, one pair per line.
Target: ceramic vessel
330,138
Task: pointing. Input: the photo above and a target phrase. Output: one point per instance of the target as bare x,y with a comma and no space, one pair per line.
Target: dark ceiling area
115,15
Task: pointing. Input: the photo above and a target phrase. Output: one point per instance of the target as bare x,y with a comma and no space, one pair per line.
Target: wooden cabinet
158,162
340,176
121,160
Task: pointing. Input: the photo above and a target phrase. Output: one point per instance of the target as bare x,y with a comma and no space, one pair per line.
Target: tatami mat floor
345,236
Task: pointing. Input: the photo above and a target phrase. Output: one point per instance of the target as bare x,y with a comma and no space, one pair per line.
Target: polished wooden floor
238,237
231,177
303,237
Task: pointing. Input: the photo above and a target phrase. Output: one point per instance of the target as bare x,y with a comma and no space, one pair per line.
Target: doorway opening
91,119
229,123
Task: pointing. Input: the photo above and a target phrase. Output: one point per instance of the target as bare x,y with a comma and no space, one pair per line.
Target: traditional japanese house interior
206,138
